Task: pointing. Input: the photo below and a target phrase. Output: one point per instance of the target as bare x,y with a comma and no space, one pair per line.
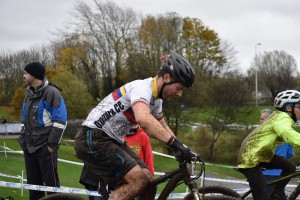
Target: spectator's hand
183,153
50,149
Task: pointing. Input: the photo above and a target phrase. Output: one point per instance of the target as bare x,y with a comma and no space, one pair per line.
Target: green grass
13,165
223,172
69,174
202,115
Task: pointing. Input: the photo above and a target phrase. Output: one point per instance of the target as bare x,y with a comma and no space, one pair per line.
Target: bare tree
229,53
12,64
277,71
107,28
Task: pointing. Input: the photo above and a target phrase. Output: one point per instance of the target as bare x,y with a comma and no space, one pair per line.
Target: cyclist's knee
290,168
148,174
137,177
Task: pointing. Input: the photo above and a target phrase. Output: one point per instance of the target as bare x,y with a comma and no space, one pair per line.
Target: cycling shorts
105,156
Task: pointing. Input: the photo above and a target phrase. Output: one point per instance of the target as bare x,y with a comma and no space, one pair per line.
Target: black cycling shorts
106,157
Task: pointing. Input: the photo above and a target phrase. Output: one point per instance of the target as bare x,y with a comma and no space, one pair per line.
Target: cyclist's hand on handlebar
183,153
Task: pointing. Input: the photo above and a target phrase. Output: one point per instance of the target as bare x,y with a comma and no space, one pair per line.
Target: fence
10,128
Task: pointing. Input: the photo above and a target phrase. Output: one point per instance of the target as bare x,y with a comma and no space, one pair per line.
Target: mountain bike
219,189
187,173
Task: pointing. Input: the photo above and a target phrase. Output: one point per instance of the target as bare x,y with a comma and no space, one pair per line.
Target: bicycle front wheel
62,196
216,192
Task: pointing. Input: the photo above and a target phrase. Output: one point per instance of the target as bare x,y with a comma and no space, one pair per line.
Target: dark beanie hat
35,69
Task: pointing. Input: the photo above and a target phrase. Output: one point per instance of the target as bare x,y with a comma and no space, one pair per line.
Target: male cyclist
100,142
258,148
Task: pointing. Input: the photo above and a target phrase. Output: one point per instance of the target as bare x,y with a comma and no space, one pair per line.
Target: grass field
69,174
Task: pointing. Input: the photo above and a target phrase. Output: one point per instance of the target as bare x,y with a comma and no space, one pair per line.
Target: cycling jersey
114,114
259,145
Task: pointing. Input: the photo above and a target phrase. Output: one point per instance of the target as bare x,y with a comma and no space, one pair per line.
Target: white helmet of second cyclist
286,97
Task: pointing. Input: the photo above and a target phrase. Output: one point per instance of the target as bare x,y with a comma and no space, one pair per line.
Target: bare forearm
155,129
163,123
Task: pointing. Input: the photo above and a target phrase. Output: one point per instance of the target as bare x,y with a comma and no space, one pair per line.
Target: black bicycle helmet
179,68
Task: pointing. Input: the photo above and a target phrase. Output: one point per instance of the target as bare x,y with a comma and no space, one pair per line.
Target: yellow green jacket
260,144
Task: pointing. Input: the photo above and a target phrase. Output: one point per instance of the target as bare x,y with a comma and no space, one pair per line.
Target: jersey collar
154,88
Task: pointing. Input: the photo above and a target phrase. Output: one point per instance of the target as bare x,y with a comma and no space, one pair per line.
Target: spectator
284,150
44,117
3,121
139,142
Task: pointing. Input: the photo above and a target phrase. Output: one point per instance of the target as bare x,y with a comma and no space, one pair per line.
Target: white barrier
48,189
93,193
10,128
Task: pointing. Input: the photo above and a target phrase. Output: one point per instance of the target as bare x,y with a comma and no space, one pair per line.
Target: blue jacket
44,116
284,150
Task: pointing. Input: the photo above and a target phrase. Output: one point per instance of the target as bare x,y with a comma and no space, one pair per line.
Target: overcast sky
273,23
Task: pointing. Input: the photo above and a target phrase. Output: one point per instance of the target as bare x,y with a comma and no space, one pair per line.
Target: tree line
104,46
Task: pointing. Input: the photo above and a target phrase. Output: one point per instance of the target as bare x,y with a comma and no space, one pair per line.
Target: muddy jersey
114,114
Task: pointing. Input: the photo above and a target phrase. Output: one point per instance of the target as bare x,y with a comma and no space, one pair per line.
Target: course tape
48,188
68,189
94,193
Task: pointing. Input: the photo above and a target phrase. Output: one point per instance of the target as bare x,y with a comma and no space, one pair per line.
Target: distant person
44,116
139,142
284,150
3,121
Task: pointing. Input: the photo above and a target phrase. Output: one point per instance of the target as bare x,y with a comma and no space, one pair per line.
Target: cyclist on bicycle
258,149
100,142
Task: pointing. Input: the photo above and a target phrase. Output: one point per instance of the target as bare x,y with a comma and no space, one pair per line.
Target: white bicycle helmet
286,97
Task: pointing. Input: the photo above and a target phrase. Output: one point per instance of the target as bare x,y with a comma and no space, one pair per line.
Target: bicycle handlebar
195,159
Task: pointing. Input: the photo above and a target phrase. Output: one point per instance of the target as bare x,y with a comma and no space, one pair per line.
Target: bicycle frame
278,179
178,176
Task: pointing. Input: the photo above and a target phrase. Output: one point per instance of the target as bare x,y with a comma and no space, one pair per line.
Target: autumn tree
202,46
78,100
156,37
73,53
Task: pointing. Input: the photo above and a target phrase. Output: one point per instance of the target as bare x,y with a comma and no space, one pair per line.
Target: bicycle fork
189,182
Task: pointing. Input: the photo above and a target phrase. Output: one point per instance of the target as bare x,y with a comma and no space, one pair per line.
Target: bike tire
216,192
62,196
